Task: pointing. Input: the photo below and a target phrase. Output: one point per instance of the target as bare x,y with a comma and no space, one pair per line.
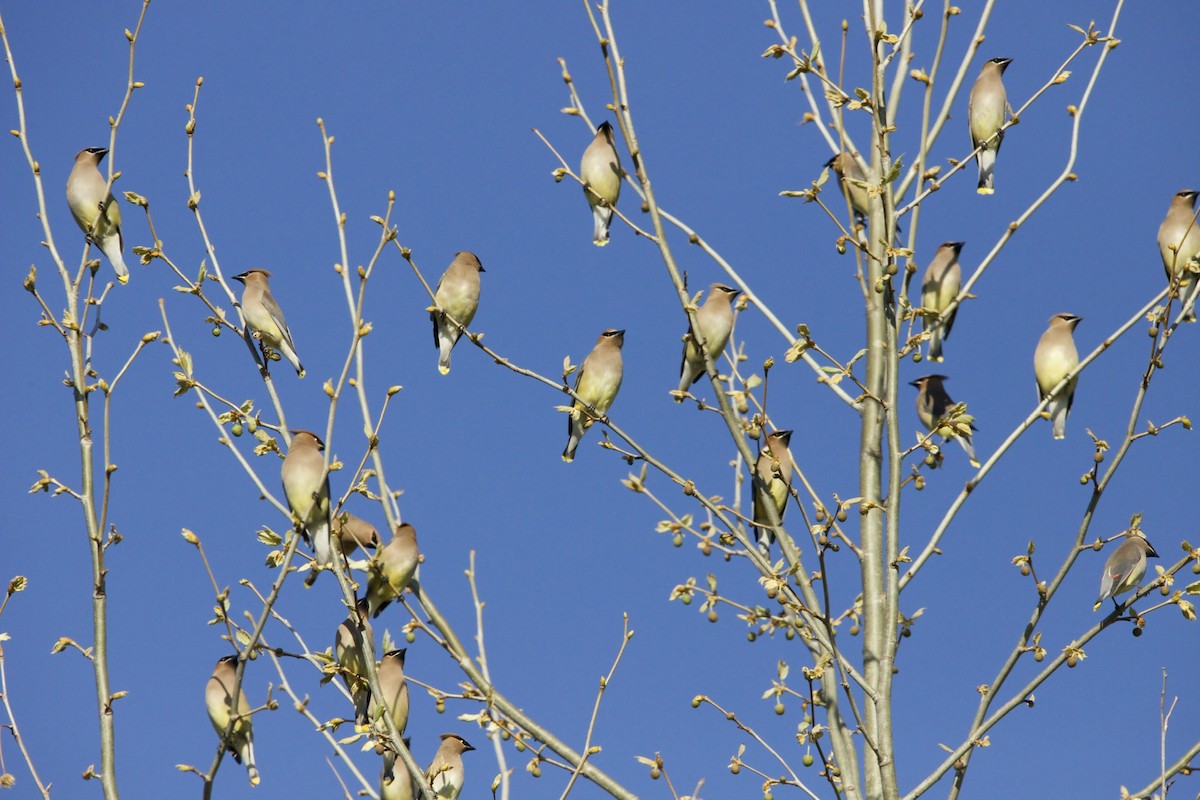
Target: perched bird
395,696
601,173
350,650
941,285
715,319
1179,243
263,314
1124,569
392,789
351,534
218,697
1054,358
87,191
774,467
445,774
933,403
986,109
354,532
457,295
844,166
306,486
389,572
597,384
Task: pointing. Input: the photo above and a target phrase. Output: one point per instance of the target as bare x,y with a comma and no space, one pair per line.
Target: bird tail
965,441
935,344
1187,294
1059,416
987,163
568,454
687,379
765,537
377,605
602,216
389,766
446,346
247,755
312,576
362,702
111,247
322,544
290,355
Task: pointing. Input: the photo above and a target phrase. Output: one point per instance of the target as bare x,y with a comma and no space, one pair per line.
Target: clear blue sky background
437,104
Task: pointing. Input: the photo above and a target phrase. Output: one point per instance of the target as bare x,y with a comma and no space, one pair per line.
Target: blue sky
437,103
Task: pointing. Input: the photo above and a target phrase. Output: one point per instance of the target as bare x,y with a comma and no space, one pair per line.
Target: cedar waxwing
306,486
597,384
217,698
389,572
349,648
354,532
941,285
1125,567
1179,243
395,695
457,294
1054,358
715,319
263,314
351,534
933,403
445,774
395,787
986,109
844,166
87,190
774,467
600,171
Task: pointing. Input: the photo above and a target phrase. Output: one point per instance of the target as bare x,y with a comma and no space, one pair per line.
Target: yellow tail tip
600,242
1097,606
985,190
443,370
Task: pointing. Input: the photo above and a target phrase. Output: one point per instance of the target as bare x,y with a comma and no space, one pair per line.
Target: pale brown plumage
715,320
600,171
87,192
774,468
1054,358
987,108
395,696
933,404
445,775
350,651
850,180
596,384
306,487
393,566
939,288
1179,245
354,532
457,295
265,317
1124,569
218,700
